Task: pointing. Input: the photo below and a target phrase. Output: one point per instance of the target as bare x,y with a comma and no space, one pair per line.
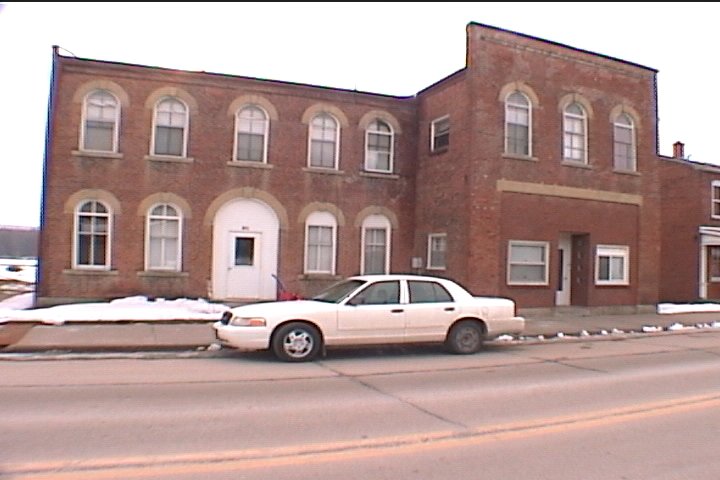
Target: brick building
690,229
530,173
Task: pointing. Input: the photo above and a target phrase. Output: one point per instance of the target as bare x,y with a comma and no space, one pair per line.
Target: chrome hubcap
468,338
298,343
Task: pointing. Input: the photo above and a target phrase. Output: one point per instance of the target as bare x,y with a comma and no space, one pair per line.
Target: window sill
571,163
327,171
632,173
162,273
386,175
319,276
169,159
439,151
249,164
90,272
520,157
93,154
610,284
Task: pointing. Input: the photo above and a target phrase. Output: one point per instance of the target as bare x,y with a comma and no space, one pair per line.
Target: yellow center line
272,457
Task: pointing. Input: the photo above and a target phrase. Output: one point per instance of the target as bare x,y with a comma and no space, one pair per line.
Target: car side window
379,293
428,292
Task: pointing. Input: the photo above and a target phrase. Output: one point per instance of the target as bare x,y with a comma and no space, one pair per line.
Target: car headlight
247,322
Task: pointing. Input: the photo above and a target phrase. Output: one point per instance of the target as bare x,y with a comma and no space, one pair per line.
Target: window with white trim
612,265
575,134
624,143
91,246
164,238
437,246
251,126
324,140
375,256
170,128
320,243
379,147
101,121
518,125
527,263
440,134
715,193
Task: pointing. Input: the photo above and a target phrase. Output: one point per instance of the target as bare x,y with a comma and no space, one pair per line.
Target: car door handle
450,309
397,310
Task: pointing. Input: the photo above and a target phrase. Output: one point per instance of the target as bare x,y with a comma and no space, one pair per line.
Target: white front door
244,265
562,294
245,251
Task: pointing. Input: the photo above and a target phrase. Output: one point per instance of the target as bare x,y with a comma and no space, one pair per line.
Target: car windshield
338,292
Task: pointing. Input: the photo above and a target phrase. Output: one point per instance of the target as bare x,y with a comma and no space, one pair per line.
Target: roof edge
558,44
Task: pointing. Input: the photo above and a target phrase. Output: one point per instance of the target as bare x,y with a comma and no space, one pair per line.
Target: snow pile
13,270
137,308
670,308
650,329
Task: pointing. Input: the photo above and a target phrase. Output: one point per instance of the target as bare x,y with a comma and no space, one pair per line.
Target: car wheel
465,337
296,342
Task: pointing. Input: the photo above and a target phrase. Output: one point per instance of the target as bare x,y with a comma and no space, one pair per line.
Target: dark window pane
169,141
244,251
99,136
428,292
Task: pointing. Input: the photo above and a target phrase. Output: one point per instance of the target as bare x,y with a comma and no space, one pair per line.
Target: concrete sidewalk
16,337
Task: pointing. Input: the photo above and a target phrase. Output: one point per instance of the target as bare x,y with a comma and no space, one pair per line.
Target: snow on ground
18,308
18,270
670,308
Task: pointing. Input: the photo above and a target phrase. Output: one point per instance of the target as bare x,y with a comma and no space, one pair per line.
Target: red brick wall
455,191
463,199
133,178
686,205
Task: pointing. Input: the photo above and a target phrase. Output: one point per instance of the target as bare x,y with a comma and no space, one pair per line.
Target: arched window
376,233
324,139
320,243
163,238
518,125
624,143
575,134
101,119
170,129
91,247
379,147
251,127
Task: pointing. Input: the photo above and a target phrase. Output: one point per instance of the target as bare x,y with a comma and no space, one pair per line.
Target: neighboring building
531,173
690,230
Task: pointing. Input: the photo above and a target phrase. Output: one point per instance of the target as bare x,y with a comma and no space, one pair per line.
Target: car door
429,312
372,315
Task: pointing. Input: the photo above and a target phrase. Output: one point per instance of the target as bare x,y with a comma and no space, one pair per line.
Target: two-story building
530,173
690,229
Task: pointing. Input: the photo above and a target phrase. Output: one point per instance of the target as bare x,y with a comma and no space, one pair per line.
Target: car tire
465,337
297,342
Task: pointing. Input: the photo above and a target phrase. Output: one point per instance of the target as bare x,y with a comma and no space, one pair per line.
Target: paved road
632,408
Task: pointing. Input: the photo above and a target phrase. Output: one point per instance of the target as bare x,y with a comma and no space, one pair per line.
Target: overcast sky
389,48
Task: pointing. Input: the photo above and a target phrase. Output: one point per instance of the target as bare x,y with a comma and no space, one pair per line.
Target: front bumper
242,338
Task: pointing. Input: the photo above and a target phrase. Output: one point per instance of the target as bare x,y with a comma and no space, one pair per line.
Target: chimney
679,150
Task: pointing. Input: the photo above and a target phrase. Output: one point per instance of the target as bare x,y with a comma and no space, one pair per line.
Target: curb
215,350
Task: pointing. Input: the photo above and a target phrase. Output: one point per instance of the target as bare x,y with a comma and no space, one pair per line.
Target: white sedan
370,310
